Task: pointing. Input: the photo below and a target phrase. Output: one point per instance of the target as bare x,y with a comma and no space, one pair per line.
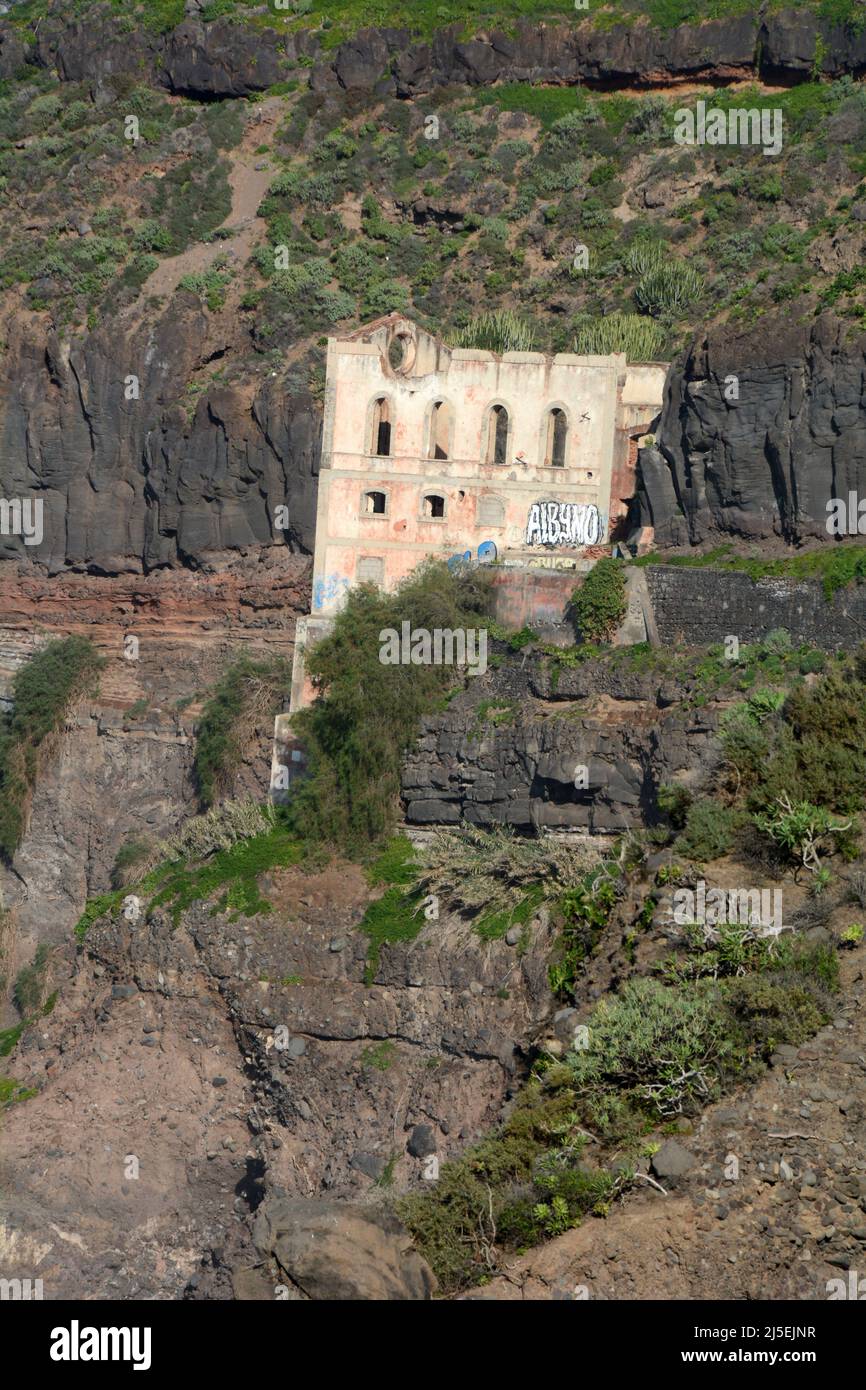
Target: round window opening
401,353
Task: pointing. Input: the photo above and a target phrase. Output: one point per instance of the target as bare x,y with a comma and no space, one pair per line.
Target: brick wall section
693,607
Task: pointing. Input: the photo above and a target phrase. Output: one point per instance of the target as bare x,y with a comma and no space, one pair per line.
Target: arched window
380,434
374,504
556,438
432,506
496,445
439,436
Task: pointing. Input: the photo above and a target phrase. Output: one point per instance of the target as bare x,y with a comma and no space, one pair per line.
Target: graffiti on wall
563,523
329,590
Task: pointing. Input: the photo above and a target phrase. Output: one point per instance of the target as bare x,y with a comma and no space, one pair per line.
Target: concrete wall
693,607
536,598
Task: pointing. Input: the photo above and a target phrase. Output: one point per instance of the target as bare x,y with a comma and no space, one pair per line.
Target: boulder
672,1161
336,1252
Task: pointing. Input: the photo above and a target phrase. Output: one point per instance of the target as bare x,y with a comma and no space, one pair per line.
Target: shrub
745,744
367,712
248,691
775,1009
709,830
599,605
586,910
42,693
820,756
209,285
668,289
656,1048
800,829
674,801
489,1197
385,297
475,869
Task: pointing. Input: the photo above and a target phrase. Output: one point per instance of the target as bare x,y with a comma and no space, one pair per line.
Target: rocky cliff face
582,749
760,429
176,1024
222,59
129,480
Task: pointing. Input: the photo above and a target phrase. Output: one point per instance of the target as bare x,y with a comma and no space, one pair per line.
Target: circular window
401,353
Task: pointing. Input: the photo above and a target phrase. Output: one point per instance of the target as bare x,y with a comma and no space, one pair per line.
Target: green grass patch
379,1056
233,873
12,1092
493,926
396,865
836,566
396,917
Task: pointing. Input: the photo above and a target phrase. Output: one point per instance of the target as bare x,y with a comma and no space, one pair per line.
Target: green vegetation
708,831
641,339
29,984
599,605
490,1196
13,1092
396,916
500,330
655,1050
248,692
210,286
233,873
367,711
82,268
379,1056
586,909
800,769
836,566
43,691
496,874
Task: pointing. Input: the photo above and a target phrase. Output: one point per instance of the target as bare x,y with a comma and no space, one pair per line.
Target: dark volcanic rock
224,59
524,773
132,484
221,59
760,429
12,54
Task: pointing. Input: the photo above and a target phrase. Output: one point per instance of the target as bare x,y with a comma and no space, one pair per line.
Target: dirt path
250,177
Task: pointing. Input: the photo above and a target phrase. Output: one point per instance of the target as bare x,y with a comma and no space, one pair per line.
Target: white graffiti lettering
563,523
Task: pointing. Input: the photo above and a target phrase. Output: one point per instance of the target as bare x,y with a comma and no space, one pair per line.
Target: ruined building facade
521,458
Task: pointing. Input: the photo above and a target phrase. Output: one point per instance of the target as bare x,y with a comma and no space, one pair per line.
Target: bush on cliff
709,830
42,693
248,692
599,605
367,711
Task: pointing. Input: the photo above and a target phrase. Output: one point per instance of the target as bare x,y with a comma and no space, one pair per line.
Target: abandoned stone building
430,450
521,458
